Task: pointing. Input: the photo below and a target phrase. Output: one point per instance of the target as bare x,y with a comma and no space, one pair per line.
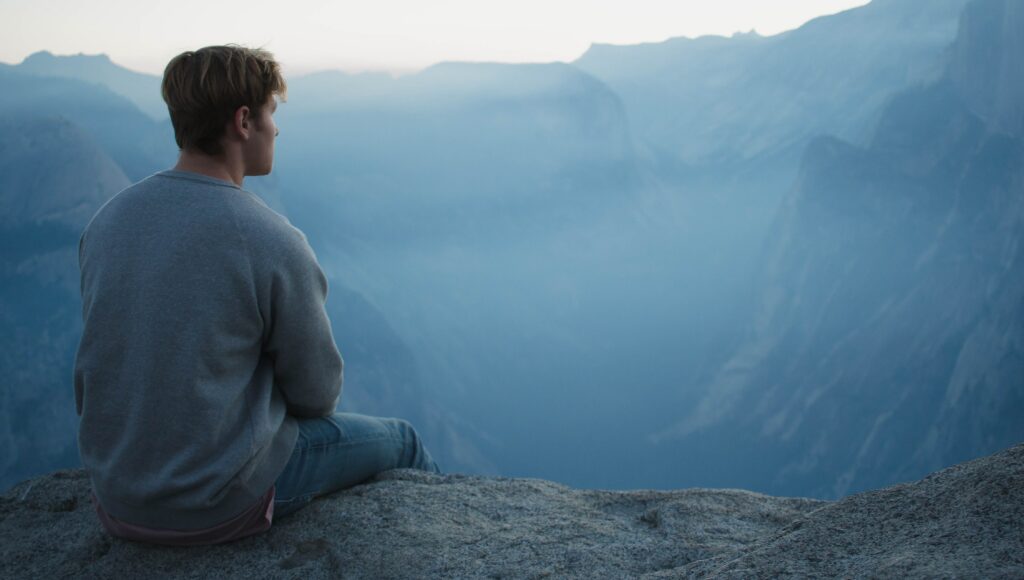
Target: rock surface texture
967,520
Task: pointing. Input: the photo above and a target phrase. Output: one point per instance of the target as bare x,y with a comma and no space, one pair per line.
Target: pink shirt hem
255,520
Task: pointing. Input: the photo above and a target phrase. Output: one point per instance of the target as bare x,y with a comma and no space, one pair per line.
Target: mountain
722,122
52,173
498,217
887,340
458,149
143,90
66,146
53,177
724,100
138,144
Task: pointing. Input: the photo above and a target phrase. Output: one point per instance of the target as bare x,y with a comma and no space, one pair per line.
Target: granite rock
962,521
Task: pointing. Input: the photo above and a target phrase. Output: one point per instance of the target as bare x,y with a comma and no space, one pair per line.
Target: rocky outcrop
963,521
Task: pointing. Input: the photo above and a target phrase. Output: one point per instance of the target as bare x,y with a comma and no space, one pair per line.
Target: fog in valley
790,264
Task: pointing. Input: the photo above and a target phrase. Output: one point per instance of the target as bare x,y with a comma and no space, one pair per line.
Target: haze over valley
784,263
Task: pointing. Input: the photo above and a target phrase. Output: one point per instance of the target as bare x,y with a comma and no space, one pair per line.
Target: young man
207,374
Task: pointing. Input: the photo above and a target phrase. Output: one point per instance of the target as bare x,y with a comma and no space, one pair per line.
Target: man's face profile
259,148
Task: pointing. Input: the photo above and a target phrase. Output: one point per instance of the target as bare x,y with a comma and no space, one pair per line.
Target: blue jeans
342,450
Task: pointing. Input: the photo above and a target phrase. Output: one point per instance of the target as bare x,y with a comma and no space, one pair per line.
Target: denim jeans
342,450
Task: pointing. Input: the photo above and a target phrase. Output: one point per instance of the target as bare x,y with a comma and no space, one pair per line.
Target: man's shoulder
179,197
159,191
269,235
257,219
118,208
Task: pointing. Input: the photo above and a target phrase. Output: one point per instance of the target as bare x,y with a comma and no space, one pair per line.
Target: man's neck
218,167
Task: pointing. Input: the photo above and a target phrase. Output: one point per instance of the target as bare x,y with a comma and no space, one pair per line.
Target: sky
398,36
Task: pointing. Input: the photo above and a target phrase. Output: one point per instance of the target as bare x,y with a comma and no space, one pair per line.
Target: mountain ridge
141,89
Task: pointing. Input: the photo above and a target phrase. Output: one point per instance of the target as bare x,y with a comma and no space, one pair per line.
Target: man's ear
243,122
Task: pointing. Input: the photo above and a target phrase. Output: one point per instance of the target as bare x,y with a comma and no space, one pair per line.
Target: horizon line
395,72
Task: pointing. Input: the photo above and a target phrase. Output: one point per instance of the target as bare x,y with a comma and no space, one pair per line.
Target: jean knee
415,452
405,429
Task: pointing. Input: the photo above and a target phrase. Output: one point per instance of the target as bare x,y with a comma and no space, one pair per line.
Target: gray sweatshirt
205,336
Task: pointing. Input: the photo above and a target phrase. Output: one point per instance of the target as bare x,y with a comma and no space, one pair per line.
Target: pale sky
400,36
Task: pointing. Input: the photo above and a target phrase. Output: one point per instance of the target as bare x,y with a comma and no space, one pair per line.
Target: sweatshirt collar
174,173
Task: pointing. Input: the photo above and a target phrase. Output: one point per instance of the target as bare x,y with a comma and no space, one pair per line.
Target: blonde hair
204,88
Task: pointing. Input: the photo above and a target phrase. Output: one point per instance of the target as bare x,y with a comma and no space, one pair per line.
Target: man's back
205,336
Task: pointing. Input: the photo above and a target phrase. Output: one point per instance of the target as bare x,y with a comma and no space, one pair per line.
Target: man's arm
308,369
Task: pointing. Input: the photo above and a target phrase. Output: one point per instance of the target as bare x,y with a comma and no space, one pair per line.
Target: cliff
886,338
962,521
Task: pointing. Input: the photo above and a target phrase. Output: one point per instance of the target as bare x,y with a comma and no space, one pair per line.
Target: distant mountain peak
142,89
752,33
47,57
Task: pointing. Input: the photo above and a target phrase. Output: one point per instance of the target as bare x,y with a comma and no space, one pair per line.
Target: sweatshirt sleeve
308,369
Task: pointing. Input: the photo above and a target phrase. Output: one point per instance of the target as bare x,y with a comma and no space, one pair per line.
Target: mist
784,263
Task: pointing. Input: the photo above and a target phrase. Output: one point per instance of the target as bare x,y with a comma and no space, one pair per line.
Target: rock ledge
967,520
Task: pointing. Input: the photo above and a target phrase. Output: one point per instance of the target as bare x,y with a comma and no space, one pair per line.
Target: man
207,374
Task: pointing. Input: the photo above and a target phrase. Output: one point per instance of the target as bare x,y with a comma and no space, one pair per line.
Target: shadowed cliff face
964,521
888,338
985,63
